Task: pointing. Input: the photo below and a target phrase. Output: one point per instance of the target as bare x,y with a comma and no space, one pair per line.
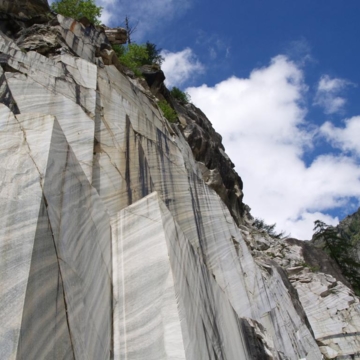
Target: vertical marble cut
127,130
83,40
44,328
21,198
121,172
167,305
66,90
81,233
55,247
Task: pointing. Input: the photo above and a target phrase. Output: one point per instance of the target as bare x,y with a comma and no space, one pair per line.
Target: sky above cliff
279,80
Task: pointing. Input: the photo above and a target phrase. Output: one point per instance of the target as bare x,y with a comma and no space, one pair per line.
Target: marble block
167,304
66,90
55,246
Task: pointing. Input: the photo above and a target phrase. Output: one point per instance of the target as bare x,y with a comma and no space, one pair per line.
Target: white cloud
327,94
180,66
306,222
262,121
105,16
331,85
347,138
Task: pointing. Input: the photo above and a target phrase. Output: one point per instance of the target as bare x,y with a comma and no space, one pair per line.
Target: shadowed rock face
24,8
349,228
206,144
318,259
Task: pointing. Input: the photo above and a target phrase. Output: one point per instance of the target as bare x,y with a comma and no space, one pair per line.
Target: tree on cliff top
77,9
340,250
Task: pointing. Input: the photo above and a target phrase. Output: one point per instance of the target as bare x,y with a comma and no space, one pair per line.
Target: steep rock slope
206,145
112,244
331,307
342,243
349,229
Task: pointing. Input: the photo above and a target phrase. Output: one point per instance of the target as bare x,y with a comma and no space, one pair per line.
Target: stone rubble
331,307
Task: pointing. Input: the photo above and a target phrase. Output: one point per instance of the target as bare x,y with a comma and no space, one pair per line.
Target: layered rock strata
112,244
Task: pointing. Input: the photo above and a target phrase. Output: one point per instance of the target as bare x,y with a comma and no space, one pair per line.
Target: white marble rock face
190,317
55,265
112,246
332,309
161,162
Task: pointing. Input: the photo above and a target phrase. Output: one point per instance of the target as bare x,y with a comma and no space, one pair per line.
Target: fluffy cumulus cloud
179,67
327,95
263,123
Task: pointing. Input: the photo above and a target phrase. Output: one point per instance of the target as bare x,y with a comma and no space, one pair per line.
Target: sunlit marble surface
112,246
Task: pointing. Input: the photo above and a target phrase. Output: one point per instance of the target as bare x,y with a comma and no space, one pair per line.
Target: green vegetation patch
340,249
168,111
77,9
180,95
134,55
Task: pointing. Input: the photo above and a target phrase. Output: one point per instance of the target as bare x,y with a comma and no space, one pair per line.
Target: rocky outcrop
350,228
319,260
116,36
24,8
114,246
342,243
331,308
217,168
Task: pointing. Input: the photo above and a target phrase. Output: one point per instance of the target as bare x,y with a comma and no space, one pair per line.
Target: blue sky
280,81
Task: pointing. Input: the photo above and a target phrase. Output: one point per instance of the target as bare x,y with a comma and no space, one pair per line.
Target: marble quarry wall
112,246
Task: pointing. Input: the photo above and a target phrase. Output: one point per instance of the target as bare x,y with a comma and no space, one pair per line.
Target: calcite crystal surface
112,245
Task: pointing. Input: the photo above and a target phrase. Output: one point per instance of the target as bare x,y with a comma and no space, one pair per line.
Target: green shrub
180,95
133,56
154,54
340,250
120,50
168,111
77,9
